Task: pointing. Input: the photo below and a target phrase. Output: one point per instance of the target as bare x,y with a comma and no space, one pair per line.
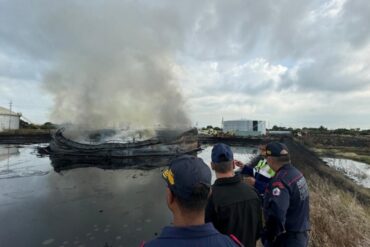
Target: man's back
235,208
199,236
288,190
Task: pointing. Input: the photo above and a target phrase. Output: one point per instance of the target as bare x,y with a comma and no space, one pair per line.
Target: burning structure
166,144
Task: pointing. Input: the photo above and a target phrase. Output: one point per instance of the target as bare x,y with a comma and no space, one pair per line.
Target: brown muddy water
82,206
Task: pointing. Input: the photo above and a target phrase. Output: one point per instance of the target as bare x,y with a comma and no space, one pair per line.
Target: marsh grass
337,218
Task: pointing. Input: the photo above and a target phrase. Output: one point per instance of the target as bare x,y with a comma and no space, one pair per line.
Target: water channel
357,171
83,206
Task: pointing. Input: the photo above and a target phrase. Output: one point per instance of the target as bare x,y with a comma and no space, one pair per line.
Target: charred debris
140,152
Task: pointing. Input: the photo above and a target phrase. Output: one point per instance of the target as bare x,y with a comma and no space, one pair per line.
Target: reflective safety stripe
264,169
261,164
271,172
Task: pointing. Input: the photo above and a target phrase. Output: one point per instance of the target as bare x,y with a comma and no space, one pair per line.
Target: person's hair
224,165
198,199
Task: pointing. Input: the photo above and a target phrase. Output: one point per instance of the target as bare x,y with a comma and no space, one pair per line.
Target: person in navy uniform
286,202
258,173
188,181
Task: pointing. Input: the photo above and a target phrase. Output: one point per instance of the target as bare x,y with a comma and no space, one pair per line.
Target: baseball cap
276,149
185,173
221,152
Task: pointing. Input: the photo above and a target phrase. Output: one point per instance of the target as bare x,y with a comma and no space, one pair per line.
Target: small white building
245,127
8,119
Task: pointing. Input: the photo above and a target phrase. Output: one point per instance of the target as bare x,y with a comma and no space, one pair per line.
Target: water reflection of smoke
359,172
8,150
15,163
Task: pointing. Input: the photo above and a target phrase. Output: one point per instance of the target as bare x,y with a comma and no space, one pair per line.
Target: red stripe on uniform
278,184
295,179
236,240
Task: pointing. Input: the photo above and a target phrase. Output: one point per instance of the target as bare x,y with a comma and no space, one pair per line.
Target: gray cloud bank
117,61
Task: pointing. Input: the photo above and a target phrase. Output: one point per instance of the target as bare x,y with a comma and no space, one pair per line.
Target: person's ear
212,165
169,197
233,165
210,192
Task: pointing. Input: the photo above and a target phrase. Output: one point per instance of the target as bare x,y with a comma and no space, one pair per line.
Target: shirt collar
189,232
230,180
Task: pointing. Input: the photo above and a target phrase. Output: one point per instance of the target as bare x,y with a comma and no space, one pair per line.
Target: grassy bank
337,218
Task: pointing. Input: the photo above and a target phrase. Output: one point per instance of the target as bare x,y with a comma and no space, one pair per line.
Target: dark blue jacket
261,181
286,203
197,236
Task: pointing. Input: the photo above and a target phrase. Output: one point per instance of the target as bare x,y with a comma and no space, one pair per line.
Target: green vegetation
324,130
210,127
45,126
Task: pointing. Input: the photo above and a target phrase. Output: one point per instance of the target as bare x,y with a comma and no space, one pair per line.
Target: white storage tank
245,127
8,119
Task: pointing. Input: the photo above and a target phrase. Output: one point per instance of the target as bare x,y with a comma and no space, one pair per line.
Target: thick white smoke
115,66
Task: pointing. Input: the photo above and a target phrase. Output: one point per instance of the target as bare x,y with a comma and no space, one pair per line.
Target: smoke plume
115,66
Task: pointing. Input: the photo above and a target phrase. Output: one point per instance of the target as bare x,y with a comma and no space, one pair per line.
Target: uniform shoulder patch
276,191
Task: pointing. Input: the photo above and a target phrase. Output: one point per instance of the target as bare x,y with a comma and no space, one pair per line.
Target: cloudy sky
292,62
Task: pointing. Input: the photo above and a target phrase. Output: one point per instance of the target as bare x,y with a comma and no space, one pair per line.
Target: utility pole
10,113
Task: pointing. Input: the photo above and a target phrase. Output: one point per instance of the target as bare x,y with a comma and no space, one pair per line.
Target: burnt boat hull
68,154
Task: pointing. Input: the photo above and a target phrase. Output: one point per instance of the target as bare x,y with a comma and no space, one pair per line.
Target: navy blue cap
276,149
185,173
221,152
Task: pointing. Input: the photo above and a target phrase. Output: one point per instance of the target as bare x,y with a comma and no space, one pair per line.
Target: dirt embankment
25,137
331,140
341,146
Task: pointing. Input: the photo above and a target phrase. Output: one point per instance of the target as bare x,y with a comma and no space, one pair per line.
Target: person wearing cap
188,181
286,202
234,207
258,172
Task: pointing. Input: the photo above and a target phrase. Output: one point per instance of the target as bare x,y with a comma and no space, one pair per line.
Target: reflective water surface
358,171
82,206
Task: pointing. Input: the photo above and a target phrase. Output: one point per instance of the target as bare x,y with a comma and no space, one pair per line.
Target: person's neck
277,167
225,175
188,219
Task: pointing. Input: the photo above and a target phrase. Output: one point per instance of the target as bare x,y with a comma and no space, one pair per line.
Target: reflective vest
264,169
